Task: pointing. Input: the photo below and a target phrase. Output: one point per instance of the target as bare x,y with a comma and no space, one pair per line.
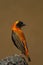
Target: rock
13,60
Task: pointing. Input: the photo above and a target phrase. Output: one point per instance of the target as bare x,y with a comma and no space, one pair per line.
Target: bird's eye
20,22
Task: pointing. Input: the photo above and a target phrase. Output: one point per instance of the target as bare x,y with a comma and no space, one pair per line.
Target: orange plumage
16,27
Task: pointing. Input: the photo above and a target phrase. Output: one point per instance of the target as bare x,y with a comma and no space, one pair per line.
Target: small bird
19,39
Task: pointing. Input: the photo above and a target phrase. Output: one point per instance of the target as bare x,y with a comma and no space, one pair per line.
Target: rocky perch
13,60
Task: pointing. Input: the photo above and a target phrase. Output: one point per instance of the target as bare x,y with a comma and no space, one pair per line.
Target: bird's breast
20,34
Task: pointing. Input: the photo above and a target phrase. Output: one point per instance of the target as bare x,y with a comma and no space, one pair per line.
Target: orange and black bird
18,38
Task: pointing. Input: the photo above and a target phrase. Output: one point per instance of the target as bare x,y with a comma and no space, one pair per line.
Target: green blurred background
31,13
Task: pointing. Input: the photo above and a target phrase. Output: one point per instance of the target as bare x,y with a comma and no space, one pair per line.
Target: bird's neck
16,28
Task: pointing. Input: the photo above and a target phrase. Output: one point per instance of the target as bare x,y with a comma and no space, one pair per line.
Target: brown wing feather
17,42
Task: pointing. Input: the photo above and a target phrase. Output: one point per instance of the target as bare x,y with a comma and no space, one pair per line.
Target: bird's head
19,24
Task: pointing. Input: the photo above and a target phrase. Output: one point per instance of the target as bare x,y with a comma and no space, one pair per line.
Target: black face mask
20,24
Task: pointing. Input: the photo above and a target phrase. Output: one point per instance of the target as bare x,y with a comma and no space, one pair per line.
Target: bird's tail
29,59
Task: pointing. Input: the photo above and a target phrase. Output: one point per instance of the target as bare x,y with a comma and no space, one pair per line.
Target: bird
19,39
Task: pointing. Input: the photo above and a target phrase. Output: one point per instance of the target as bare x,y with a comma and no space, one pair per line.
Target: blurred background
31,13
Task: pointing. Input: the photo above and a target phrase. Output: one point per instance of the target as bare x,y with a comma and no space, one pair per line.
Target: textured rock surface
13,60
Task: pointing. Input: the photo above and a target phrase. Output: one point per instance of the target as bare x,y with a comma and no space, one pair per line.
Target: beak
24,24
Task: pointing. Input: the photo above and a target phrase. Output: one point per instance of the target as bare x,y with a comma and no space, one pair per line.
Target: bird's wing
18,43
